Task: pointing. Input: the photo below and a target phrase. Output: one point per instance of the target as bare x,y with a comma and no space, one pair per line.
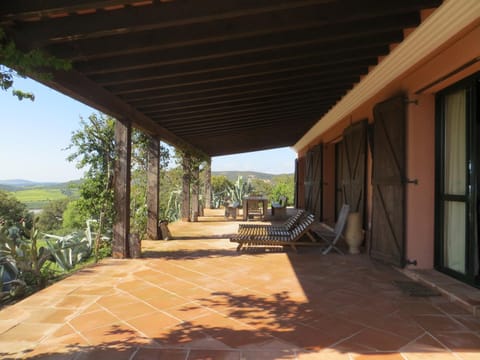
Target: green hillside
37,196
233,175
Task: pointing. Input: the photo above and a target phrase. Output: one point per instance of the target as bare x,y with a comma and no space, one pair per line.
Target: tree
138,190
73,218
261,186
51,217
95,150
284,185
220,184
191,164
94,146
12,211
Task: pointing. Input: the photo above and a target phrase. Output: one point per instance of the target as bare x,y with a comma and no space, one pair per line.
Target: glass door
455,174
457,182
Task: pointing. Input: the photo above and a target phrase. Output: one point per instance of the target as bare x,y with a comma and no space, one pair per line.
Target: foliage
262,187
73,248
51,217
284,186
95,150
34,63
170,194
190,164
25,264
10,284
12,211
171,212
138,191
21,244
239,190
220,188
73,217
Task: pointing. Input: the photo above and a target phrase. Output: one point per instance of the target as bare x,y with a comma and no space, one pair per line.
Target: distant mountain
21,184
233,175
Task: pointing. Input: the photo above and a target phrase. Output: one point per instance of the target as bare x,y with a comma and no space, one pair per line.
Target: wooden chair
332,235
254,209
258,236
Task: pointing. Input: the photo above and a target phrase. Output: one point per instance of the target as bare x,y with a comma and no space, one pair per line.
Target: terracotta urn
354,233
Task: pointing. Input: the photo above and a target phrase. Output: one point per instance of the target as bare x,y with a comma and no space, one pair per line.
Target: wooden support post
121,227
208,185
153,176
195,182
186,188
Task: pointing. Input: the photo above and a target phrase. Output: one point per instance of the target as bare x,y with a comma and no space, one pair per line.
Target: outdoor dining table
251,200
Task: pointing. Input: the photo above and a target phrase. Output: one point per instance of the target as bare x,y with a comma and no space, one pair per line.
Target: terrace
195,297
222,77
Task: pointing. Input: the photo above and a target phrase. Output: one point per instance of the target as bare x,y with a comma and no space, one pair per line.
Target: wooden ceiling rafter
354,57
243,100
168,39
214,76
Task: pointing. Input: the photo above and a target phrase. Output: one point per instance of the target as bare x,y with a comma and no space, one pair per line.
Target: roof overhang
215,76
450,19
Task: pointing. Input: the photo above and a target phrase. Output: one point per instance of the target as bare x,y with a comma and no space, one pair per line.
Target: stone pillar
121,227
186,161
153,180
208,184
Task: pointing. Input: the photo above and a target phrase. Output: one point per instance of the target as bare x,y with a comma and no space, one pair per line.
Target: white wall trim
452,17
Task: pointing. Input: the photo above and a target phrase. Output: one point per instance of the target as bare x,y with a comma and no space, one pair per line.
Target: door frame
471,199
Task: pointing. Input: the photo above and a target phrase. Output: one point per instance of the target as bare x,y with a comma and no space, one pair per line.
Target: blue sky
34,134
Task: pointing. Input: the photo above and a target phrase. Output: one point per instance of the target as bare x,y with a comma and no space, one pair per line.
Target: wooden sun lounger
269,237
287,225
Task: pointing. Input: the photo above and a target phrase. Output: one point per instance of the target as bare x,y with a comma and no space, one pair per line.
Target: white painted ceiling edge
449,19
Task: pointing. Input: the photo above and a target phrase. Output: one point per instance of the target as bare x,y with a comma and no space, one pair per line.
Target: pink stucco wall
420,166
420,141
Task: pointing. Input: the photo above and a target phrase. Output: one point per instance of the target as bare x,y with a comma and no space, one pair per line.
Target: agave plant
68,250
217,199
239,190
71,249
21,259
172,212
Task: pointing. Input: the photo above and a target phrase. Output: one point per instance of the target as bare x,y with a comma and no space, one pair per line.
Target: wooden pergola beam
185,211
347,59
214,34
79,87
351,62
248,17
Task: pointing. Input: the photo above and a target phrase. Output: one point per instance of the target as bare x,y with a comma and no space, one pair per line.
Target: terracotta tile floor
197,298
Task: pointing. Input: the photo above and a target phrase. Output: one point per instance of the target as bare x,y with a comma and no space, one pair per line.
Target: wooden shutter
388,218
354,164
313,181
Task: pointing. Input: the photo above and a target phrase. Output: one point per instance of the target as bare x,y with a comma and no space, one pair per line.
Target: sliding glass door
457,182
